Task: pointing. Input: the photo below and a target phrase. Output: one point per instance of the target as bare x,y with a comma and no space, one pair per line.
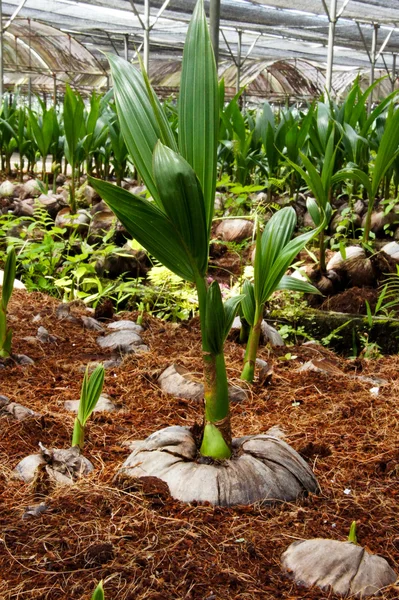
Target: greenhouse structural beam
126,45
214,25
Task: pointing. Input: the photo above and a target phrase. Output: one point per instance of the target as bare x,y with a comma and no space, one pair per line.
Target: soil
144,544
352,301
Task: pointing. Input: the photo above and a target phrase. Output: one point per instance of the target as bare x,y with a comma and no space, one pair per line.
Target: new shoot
98,593
92,387
8,285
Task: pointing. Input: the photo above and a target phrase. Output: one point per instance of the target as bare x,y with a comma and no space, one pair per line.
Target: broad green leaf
9,276
199,107
182,200
138,122
314,211
356,174
230,310
150,227
287,282
98,593
387,150
248,303
215,319
328,163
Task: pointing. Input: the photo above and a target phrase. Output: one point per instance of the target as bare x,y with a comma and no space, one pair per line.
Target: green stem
72,199
322,253
78,435
367,224
248,371
216,442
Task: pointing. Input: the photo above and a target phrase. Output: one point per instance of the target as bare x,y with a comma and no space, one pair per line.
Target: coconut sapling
175,228
90,393
8,284
275,251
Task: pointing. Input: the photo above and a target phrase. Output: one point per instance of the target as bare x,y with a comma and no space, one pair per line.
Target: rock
343,567
235,230
31,189
392,249
104,404
263,469
44,337
126,325
7,189
176,381
62,466
23,360
18,285
18,411
4,401
123,341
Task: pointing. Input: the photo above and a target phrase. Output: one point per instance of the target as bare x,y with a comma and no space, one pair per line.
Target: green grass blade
199,107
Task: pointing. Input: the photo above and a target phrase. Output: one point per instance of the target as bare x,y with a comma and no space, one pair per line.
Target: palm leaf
199,107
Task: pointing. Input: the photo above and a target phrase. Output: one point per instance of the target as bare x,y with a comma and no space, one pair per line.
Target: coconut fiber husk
133,535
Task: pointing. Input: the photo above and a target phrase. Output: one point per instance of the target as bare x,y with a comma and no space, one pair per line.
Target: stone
35,510
343,567
91,324
263,469
104,404
234,230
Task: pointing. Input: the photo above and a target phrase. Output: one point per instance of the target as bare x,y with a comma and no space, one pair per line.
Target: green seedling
275,252
92,387
98,593
352,533
8,284
180,175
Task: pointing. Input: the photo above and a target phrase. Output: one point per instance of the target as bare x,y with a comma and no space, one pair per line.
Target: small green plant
275,251
98,593
352,537
8,284
90,393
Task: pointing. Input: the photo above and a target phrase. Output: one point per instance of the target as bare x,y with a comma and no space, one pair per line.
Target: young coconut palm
175,228
274,253
8,284
92,387
98,593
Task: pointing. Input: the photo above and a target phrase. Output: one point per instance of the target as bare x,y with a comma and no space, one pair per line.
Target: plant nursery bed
341,415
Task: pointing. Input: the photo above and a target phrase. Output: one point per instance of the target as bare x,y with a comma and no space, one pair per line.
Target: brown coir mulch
144,544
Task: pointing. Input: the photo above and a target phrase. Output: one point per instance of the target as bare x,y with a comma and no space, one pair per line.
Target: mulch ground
144,544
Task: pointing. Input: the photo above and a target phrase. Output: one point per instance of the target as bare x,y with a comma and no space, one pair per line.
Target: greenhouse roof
269,30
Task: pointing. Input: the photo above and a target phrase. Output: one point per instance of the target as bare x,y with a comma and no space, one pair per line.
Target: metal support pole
126,45
239,45
393,80
373,57
214,25
1,54
332,16
54,90
147,35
